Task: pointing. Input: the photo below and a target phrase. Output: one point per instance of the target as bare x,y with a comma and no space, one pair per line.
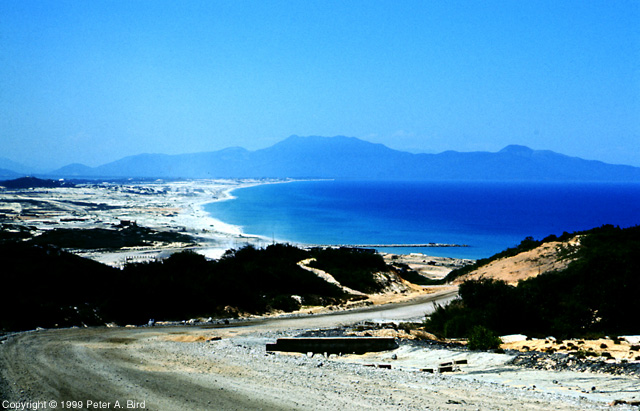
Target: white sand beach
187,200
167,206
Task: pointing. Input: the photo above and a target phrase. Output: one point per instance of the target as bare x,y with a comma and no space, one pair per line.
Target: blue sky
93,81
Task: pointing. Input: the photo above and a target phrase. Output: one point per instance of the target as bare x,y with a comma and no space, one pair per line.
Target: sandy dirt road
175,368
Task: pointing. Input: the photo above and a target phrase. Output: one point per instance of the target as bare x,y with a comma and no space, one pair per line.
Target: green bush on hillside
595,294
482,338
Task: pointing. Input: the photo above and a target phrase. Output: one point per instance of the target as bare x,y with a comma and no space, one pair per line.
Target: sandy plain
167,206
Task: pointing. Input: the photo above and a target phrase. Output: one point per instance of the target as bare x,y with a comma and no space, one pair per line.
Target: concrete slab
334,345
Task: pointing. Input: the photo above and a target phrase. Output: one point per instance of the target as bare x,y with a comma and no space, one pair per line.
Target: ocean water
488,217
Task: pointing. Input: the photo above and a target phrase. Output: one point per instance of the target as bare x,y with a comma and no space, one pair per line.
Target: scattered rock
562,362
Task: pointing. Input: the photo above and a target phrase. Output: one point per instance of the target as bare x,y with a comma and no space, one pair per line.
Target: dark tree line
43,286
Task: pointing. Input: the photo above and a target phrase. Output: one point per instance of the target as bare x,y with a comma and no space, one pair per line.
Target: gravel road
175,368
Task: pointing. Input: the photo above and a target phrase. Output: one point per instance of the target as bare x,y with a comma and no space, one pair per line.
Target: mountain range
351,158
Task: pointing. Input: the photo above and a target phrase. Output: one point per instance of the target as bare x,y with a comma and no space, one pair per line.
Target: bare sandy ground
548,257
431,267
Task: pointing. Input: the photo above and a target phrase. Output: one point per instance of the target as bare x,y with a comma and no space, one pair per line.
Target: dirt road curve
175,369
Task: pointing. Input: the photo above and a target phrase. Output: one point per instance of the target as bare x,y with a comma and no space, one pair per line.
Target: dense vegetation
250,280
114,238
351,267
594,295
33,182
108,238
15,232
43,286
46,287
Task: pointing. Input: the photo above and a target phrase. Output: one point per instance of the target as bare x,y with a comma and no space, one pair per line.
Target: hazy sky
93,81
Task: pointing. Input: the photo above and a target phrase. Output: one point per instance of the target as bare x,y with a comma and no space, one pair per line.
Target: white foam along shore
205,218
198,216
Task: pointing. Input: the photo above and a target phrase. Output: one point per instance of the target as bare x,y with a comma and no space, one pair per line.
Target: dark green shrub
448,321
284,303
456,326
482,338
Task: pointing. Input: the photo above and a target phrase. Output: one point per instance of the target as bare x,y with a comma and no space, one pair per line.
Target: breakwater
424,245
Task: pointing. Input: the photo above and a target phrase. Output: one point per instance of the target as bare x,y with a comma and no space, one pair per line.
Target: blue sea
488,217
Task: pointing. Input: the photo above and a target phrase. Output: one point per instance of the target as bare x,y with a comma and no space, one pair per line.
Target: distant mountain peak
317,144
319,139
11,166
75,170
517,149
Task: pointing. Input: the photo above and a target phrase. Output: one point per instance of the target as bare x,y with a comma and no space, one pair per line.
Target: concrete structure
334,345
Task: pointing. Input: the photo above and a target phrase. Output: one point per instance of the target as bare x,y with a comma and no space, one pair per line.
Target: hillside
547,257
594,294
12,169
65,290
350,158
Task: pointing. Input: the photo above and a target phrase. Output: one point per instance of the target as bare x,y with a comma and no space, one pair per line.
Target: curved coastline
460,220
238,237
236,232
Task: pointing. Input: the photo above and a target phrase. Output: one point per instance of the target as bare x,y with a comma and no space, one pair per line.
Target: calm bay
487,217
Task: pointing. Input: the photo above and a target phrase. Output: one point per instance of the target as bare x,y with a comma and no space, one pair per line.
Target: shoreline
165,206
226,195
215,236
212,236
238,230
